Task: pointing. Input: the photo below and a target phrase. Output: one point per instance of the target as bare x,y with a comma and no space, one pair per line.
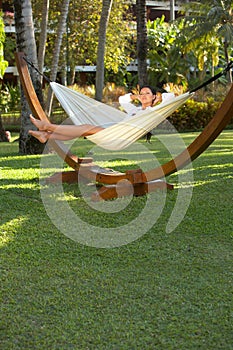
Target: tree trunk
3,137
25,41
43,36
226,45
172,10
105,13
142,41
56,52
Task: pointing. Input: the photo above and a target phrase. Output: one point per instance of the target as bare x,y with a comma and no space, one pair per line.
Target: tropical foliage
79,46
167,63
9,98
3,63
196,43
208,30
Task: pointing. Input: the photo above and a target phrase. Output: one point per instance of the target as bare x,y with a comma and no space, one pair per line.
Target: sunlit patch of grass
9,228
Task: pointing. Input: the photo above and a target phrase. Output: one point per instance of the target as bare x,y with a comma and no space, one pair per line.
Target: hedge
194,115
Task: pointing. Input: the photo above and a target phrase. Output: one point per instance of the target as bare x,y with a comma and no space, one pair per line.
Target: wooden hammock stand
135,181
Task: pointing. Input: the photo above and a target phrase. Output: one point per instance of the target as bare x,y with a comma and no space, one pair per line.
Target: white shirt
129,107
132,109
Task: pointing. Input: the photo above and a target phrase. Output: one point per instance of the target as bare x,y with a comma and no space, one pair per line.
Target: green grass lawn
164,290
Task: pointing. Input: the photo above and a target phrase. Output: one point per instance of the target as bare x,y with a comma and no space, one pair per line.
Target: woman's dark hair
160,87
149,87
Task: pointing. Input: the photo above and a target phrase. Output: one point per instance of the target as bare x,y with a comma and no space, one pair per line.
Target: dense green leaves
191,45
194,115
3,63
210,23
167,63
80,41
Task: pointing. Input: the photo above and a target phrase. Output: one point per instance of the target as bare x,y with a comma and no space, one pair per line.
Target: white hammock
120,131
85,110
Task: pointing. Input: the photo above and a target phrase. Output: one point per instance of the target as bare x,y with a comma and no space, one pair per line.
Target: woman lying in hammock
147,98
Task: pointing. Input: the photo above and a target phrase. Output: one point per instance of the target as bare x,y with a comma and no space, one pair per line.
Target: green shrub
9,98
194,115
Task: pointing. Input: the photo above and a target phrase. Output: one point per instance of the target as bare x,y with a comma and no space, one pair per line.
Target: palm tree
211,18
26,43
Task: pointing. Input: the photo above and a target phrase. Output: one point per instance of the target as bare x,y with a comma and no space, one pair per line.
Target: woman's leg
44,136
40,124
62,132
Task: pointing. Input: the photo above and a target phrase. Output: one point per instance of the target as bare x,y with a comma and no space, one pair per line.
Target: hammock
120,131
126,132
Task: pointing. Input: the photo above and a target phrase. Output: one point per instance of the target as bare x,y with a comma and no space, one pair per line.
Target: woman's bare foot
40,124
42,136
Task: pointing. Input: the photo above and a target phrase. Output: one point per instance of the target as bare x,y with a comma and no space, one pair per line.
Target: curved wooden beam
37,109
220,120
88,169
197,147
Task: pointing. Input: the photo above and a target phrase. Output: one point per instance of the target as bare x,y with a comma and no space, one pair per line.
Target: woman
147,97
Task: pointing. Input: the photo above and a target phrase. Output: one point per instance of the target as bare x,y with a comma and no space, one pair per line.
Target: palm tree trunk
3,137
43,35
25,40
172,10
56,52
105,13
142,41
226,45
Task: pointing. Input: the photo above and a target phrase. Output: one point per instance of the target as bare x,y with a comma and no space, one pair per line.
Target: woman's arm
126,103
